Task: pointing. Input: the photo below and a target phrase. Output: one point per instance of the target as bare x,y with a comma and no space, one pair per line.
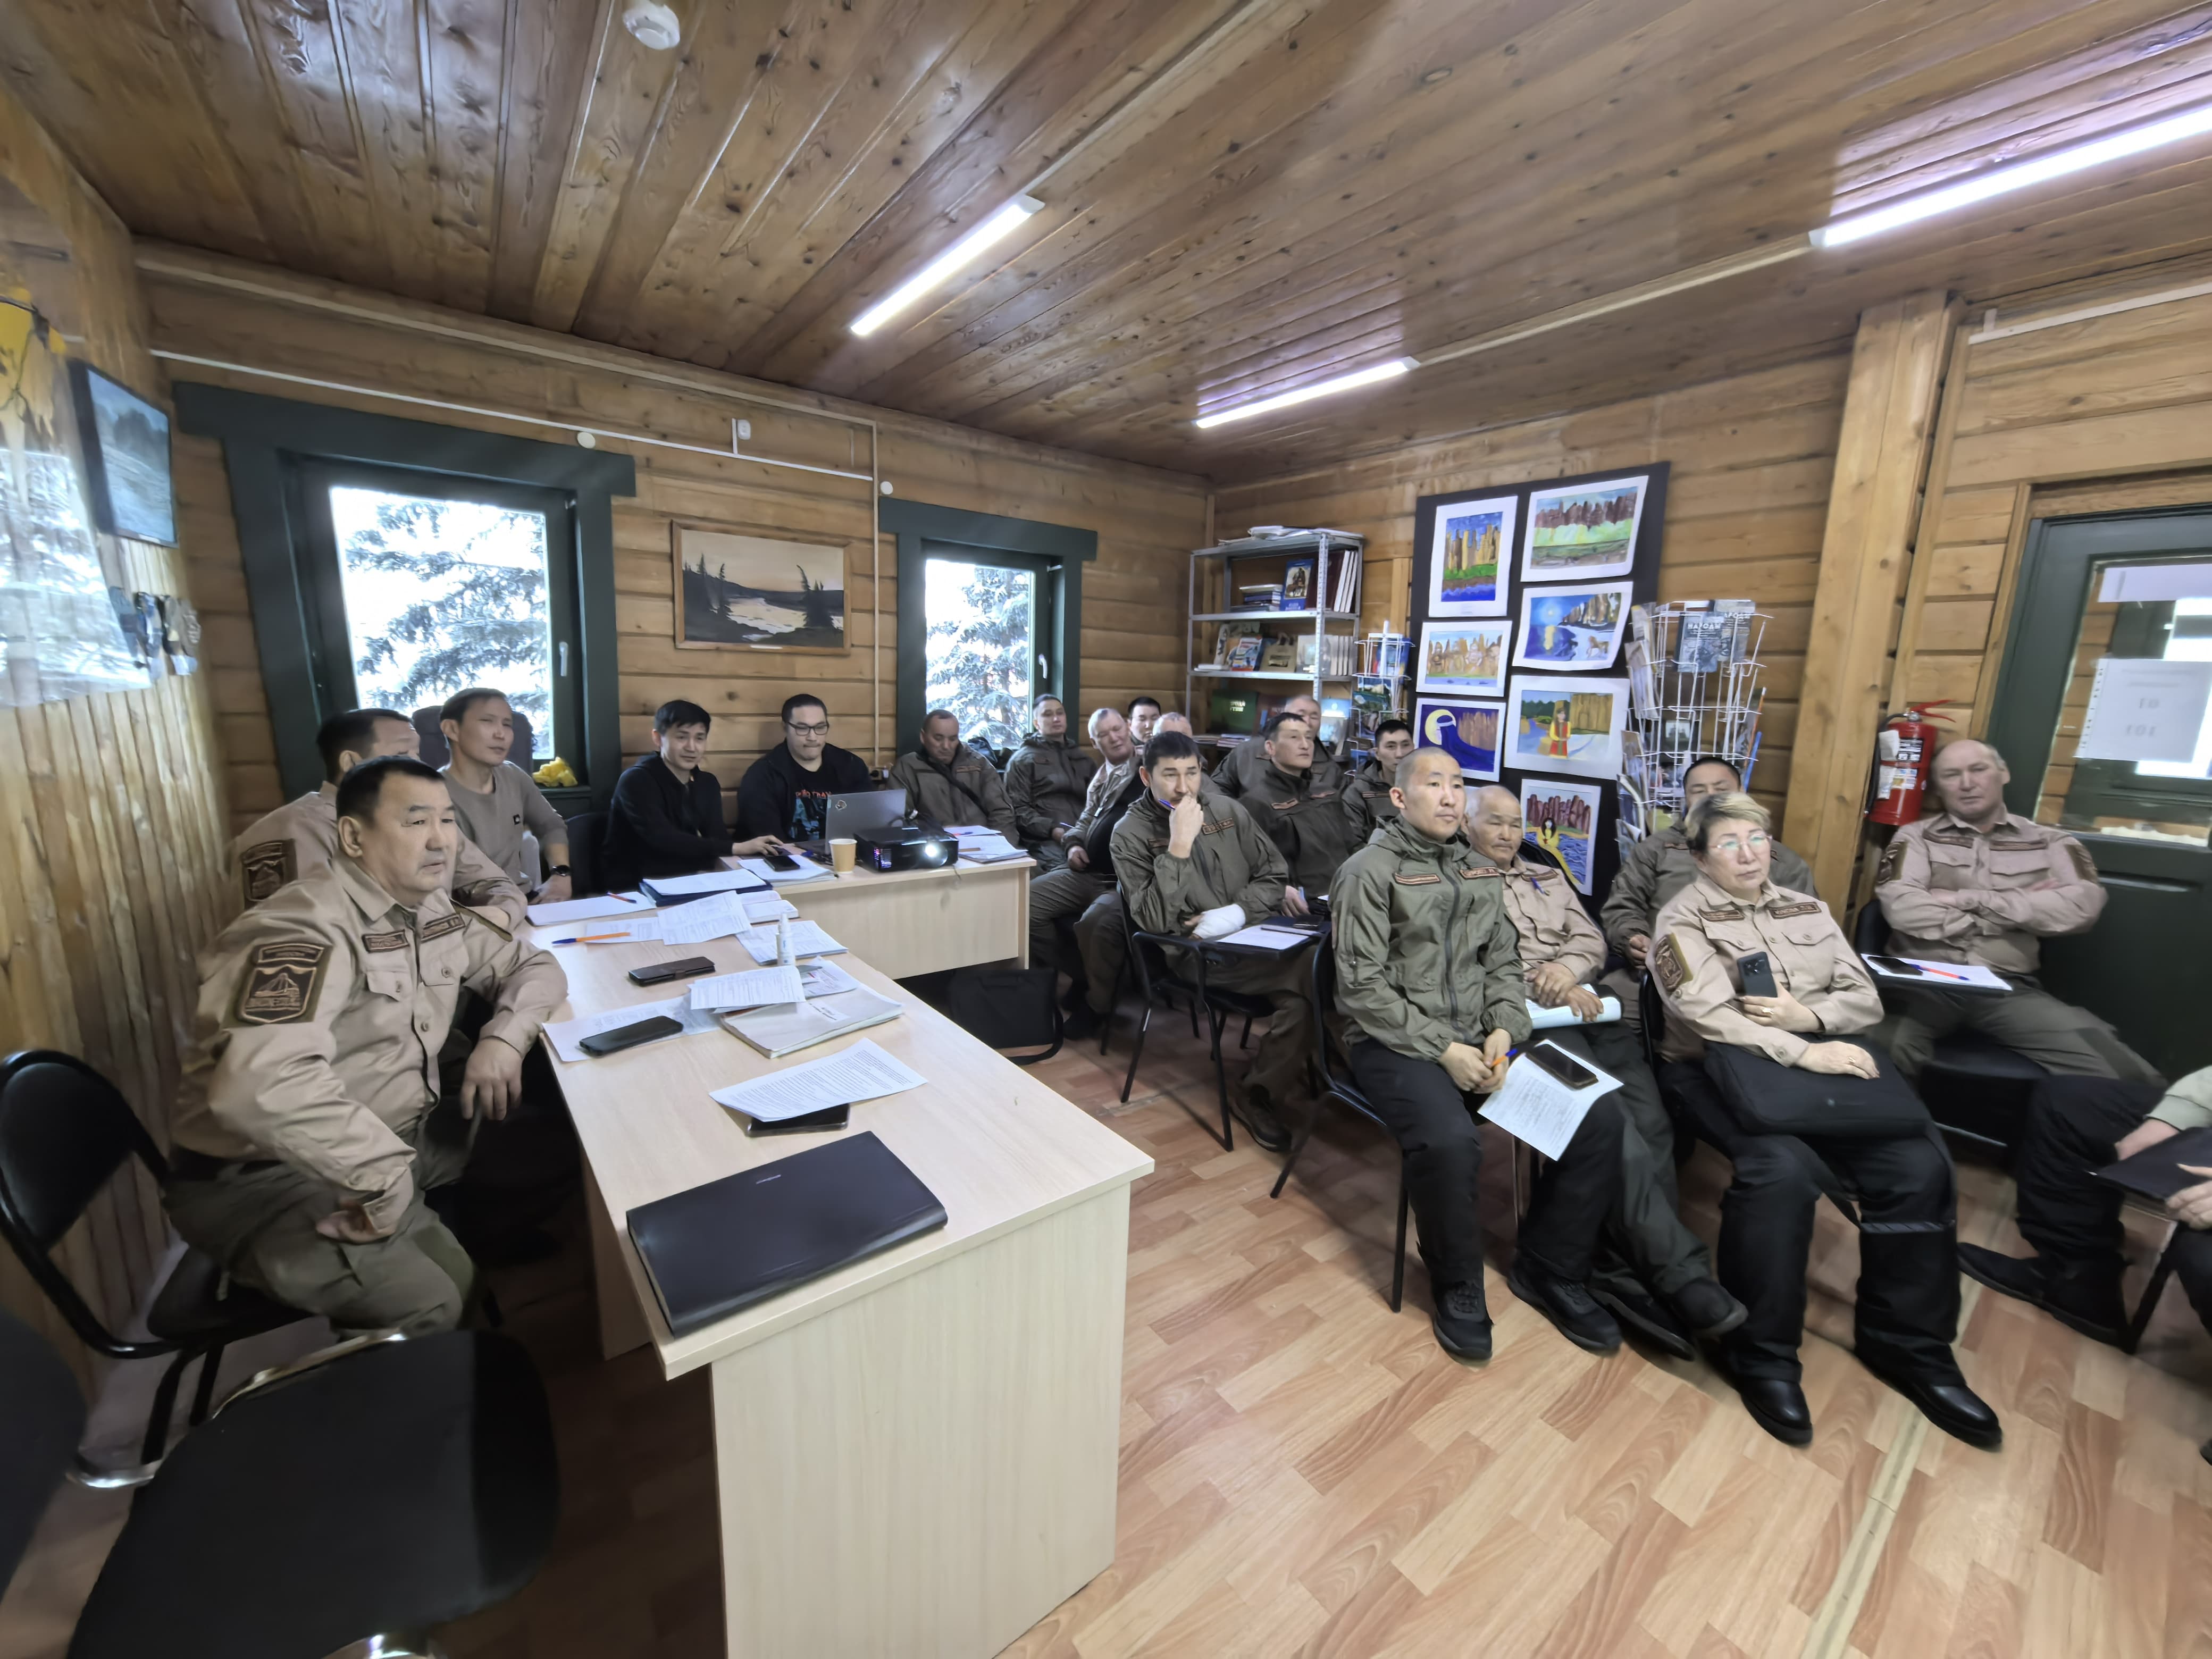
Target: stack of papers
781,1030
1264,936
756,987
981,846
807,940
1936,975
719,915
677,889
1533,1106
583,910
808,871
766,907
565,1035
863,1071
1545,1018
638,929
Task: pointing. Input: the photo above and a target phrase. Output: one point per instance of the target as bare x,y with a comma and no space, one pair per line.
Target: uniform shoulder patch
1404,880
1810,907
445,924
2084,865
398,939
1667,962
1892,862
268,866
281,983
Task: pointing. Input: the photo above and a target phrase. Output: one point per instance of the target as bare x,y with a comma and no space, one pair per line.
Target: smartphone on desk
1758,975
1557,1063
833,1117
628,1036
780,861
660,972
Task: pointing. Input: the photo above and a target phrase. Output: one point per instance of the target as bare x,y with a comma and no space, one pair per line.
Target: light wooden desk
915,1455
918,921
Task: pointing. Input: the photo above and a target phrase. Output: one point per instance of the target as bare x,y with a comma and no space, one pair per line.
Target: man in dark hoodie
786,791
1045,782
947,783
667,814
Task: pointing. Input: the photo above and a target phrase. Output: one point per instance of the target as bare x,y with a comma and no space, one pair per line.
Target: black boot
2084,1296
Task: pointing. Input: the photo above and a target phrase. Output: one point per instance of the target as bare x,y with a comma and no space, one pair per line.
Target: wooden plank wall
1133,597
1747,502
2097,415
111,822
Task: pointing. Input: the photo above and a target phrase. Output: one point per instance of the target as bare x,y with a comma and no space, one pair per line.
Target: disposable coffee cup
842,850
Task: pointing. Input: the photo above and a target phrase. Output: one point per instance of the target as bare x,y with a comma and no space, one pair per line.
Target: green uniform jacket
1661,866
1238,775
1367,802
1233,862
1045,782
1426,955
2188,1103
1304,818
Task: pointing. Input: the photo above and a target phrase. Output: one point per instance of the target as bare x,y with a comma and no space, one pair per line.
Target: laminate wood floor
1304,1472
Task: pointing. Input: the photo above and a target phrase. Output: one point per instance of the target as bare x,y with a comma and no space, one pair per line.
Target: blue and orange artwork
1467,730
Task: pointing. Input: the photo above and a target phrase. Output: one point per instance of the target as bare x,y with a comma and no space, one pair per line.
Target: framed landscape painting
1585,531
1470,557
1570,725
1469,731
1464,660
766,593
1577,629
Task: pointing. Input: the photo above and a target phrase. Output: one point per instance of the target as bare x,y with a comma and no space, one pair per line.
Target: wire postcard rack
1695,689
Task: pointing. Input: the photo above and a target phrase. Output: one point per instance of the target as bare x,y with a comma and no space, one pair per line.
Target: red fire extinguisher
1903,747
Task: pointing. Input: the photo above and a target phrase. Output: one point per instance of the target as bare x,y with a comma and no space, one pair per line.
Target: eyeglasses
1751,842
819,729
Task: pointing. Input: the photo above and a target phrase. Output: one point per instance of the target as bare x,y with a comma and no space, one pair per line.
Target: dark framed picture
734,588
126,452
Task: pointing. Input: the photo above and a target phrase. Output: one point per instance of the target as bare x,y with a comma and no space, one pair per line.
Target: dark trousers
1436,1128
1907,1312
2073,1124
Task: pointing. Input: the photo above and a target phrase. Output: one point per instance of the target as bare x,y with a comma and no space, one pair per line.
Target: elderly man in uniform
1197,866
1658,868
1239,774
947,783
1976,884
1062,901
1302,816
1046,779
300,837
308,1123
1652,1273
1367,793
1428,971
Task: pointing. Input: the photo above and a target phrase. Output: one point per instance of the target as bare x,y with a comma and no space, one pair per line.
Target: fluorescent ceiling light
1000,225
1390,370
2000,180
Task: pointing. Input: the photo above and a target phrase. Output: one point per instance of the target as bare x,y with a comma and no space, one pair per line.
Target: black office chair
1162,989
587,841
1334,1068
367,1492
1975,1088
64,1133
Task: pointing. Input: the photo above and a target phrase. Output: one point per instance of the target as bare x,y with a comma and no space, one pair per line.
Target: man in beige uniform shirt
300,837
1976,884
309,1122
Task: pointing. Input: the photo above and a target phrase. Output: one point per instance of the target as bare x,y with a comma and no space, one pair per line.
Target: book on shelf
1280,655
1346,569
1336,654
1244,653
1264,596
1335,715
1298,589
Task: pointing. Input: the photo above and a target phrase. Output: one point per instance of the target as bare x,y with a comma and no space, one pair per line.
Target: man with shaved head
1428,974
1977,884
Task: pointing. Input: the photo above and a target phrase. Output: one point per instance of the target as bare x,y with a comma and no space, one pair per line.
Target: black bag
1766,1097
1008,1008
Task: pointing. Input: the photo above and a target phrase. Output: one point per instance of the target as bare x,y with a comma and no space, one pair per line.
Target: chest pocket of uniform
1949,867
395,980
2018,866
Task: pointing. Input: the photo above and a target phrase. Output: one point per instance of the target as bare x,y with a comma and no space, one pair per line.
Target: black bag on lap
1766,1097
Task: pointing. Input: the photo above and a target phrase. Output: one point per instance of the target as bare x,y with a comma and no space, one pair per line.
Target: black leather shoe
1462,1322
1710,1311
1949,1404
1777,1404
1645,1321
2081,1298
1258,1116
1567,1303
1080,1022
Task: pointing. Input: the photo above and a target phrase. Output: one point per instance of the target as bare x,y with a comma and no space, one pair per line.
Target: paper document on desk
616,930
1533,1106
716,917
825,979
808,871
1935,976
766,907
779,1032
756,987
1263,936
582,909
565,1035
863,1071
807,940
1545,1018
988,847
708,881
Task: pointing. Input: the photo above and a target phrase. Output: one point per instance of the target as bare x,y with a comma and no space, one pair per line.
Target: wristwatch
553,870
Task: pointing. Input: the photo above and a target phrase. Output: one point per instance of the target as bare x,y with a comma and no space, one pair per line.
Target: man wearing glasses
786,792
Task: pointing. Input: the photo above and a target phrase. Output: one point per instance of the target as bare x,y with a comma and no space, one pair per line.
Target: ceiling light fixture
1999,181
994,230
1390,370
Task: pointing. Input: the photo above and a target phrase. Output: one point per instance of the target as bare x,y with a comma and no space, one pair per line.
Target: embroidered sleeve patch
281,982
268,866
1404,880
1668,963
2084,865
398,939
1892,862
443,925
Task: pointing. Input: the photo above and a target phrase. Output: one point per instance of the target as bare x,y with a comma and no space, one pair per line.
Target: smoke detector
655,26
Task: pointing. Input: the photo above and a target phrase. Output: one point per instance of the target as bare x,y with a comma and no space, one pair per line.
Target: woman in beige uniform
1795,1058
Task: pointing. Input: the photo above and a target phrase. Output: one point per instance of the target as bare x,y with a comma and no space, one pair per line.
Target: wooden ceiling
1240,195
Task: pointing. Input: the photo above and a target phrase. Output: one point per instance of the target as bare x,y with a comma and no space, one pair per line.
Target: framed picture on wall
1464,658
1570,725
1471,557
746,590
126,454
1583,530
1575,628
1469,731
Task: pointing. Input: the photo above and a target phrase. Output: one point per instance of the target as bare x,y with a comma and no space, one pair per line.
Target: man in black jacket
786,792
667,814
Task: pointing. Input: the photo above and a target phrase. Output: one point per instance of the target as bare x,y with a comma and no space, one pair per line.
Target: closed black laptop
722,1247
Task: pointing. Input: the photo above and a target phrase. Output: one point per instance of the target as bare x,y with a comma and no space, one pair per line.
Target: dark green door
2143,966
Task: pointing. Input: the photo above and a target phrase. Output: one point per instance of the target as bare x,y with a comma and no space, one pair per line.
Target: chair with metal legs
1162,989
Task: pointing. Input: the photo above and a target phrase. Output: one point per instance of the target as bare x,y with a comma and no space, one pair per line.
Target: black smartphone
628,1036
834,1117
1897,965
1558,1063
781,861
1758,975
660,972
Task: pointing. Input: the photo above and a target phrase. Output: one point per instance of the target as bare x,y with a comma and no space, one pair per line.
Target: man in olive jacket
1045,780
947,783
1428,970
1197,867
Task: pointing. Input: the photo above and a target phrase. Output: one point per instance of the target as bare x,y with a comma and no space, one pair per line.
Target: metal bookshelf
1213,581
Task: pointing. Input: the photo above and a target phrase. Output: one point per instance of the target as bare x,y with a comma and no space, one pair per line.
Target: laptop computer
856,813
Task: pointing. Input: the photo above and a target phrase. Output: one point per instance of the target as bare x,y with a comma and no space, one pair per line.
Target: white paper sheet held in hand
719,917
807,940
756,987
1535,1106
1545,1018
565,1035
862,1072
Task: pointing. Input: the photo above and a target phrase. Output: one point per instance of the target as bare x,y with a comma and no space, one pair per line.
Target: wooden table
914,1455
919,922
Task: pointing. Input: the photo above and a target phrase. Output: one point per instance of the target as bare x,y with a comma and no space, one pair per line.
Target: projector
905,848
